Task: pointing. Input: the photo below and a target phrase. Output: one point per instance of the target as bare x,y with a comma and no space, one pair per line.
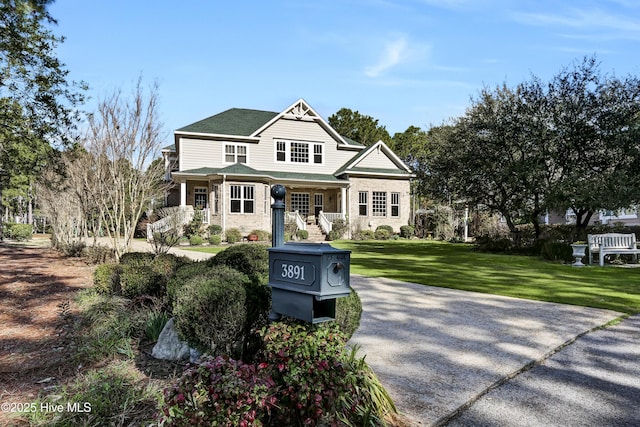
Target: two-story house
227,163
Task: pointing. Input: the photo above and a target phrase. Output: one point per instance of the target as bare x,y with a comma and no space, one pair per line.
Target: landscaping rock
169,345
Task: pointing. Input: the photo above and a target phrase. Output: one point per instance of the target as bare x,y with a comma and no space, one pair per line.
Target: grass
457,266
205,249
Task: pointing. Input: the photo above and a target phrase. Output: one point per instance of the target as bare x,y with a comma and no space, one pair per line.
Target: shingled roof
235,121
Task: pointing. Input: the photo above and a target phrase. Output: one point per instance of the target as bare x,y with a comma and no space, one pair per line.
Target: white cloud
396,52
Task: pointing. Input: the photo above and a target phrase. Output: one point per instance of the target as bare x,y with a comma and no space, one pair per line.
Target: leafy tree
571,143
38,106
595,123
358,127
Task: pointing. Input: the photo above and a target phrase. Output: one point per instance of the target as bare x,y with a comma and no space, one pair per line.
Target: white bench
612,243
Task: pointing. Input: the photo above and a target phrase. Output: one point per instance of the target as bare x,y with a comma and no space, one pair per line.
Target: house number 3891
292,271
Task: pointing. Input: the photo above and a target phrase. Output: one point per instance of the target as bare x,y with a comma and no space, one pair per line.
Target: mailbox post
305,278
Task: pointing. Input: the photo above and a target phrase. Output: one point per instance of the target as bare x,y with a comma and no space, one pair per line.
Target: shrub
184,273
195,225
163,241
20,232
140,280
253,261
338,228
106,279
385,227
367,235
233,235
407,231
99,254
167,264
137,258
73,249
302,234
214,230
557,251
215,239
210,314
195,240
263,236
494,244
222,392
382,234
250,259
318,381
348,313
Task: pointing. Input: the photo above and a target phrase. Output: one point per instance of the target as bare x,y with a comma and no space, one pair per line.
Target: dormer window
235,153
299,152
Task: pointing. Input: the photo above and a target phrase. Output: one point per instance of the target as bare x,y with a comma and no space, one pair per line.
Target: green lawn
205,249
458,266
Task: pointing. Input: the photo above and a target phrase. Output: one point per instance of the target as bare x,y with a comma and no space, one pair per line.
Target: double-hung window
379,203
395,204
235,153
363,203
242,198
299,152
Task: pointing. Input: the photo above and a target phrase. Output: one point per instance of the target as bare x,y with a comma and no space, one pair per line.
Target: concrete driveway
438,350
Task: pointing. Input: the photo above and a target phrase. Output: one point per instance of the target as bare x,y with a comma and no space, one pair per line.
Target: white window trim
235,152
391,204
287,152
242,199
365,204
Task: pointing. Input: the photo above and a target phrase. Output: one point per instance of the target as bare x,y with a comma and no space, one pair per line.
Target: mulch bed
37,287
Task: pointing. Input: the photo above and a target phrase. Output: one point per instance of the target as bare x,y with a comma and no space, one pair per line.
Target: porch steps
315,233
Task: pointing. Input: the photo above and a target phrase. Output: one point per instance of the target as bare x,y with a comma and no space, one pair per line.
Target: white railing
324,223
175,217
294,217
206,216
325,220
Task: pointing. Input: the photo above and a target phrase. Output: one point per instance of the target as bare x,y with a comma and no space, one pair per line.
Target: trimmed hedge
106,279
211,314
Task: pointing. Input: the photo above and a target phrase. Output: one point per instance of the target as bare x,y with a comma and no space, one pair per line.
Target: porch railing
294,217
325,220
175,217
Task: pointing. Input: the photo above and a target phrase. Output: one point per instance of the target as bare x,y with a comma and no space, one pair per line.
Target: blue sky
411,62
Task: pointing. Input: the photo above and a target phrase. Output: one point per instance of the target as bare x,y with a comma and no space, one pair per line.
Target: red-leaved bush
306,377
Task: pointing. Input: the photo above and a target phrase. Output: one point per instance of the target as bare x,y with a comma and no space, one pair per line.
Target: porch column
183,194
343,201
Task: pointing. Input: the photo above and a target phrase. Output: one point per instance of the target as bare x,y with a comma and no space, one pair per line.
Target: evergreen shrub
233,235
106,279
210,314
407,231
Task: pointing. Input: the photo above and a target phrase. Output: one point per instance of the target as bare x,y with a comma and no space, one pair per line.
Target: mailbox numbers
298,272
293,271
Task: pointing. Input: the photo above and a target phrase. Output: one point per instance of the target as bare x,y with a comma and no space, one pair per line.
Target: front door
200,194
318,204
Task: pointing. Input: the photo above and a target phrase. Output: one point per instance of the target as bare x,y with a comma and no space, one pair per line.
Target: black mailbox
306,279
